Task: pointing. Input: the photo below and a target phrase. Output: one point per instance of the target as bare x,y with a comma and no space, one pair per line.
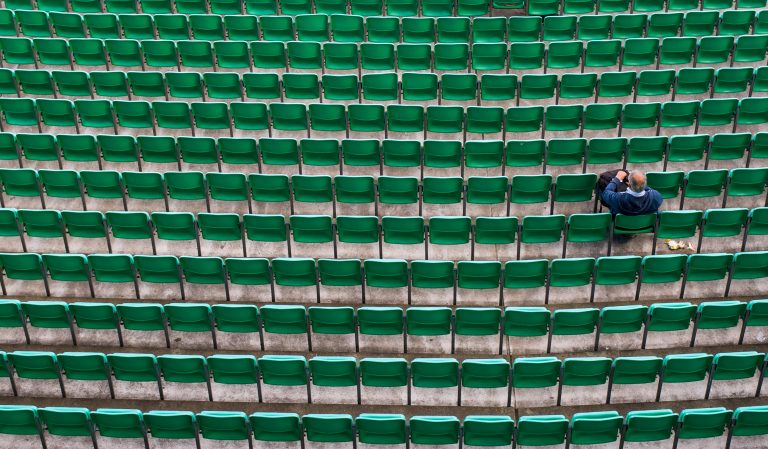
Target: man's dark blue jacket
626,203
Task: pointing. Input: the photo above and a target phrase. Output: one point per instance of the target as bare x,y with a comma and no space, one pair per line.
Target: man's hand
621,175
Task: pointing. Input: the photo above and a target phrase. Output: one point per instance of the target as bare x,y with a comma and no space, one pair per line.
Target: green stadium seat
381,329
284,378
570,280
735,374
68,275
691,369
355,195
95,323
478,283
143,324
233,376
720,227
43,230
669,325
48,321
535,381
496,430
594,27
172,425
523,56
747,268
585,380
184,376
159,277
744,186
541,236
276,427
21,188
746,426
384,381
295,279
248,278
333,328
718,322
271,193
696,425
237,326
224,426
357,236
190,325
487,196
519,285
616,85
119,423
649,426
113,273
574,193
573,329
527,328
542,430
709,271
284,326
595,428
23,423
333,380
13,323
634,378
312,236
36,374
485,381
311,193
340,279
477,330
587,234
495,238
281,154
24,274
67,425
432,282
429,329
434,381
754,320
130,232
616,278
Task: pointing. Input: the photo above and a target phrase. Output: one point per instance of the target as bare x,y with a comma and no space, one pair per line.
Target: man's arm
609,194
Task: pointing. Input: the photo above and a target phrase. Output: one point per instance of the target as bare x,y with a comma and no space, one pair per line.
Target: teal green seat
703,423
542,430
595,427
283,370
329,371
381,429
276,426
330,428
434,429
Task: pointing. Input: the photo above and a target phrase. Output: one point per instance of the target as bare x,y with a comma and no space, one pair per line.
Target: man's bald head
637,181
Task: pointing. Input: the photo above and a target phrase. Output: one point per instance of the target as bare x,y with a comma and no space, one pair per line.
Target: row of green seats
428,381
642,53
449,88
410,237
551,7
384,281
697,426
374,157
367,329
362,195
432,8
356,29
412,121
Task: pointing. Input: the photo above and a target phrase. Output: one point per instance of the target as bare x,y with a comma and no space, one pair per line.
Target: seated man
635,199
